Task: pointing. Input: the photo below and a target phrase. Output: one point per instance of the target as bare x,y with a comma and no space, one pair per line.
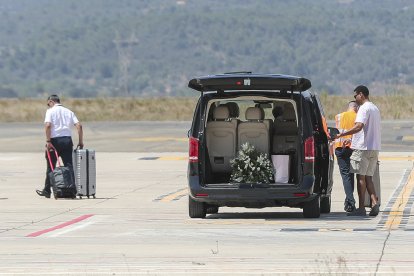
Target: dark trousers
344,162
64,148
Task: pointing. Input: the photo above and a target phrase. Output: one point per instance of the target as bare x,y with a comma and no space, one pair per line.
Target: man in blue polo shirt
58,123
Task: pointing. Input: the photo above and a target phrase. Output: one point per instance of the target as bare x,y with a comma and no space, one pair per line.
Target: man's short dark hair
54,98
363,89
352,104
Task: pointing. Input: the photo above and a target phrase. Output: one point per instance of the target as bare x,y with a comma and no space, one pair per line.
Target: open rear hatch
245,81
249,81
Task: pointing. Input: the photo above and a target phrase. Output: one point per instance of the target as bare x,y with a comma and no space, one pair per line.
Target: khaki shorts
364,162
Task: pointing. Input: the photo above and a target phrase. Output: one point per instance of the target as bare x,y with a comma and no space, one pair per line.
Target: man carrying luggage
58,123
366,143
344,122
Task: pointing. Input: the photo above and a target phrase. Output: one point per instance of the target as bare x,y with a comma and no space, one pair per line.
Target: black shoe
43,193
360,212
349,208
374,210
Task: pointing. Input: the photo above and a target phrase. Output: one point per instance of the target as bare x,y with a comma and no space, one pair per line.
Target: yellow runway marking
397,210
173,158
407,138
158,139
177,194
396,158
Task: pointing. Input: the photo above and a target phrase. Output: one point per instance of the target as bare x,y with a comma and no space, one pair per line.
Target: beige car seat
254,130
234,112
285,131
221,135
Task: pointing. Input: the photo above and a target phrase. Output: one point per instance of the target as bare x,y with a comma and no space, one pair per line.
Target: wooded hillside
153,47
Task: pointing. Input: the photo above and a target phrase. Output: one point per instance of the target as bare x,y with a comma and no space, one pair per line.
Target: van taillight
193,150
309,150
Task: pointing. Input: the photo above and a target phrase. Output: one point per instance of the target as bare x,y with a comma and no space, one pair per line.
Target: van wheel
212,209
311,209
196,209
326,204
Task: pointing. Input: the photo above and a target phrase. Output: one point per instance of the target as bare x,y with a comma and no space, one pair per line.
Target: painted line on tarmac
60,226
174,196
66,230
173,158
397,158
393,199
396,214
327,229
164,158
407,138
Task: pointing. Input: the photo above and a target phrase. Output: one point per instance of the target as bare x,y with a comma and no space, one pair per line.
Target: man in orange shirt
344,122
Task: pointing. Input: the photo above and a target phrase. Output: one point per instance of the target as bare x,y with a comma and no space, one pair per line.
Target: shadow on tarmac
334,216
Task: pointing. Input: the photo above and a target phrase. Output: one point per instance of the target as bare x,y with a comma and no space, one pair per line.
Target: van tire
326,204
311,209
196,209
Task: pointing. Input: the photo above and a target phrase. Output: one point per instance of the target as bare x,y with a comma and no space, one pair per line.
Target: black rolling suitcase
84,165
61,179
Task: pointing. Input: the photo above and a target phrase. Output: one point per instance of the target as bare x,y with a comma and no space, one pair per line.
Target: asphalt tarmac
138,223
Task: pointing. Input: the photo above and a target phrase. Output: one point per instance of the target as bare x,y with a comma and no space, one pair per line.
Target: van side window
315,125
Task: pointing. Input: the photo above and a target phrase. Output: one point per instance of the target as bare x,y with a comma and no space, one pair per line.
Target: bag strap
50,159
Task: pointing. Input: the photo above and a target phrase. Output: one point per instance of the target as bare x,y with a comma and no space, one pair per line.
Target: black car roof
249,81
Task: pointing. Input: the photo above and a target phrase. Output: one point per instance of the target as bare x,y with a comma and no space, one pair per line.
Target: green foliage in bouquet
251,166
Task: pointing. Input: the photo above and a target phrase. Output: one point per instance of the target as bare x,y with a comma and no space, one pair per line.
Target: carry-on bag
61,179
377,188
84,164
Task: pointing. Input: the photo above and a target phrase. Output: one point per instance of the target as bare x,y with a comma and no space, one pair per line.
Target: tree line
153,47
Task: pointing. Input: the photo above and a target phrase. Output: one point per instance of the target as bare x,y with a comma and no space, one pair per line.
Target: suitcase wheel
88,196
94,196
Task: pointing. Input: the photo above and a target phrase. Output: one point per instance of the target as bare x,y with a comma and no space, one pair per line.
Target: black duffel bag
61,179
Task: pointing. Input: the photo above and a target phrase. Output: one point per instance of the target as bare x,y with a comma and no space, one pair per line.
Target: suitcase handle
78,147
50,159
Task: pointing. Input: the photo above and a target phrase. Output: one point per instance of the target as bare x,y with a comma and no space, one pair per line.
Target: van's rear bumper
255,196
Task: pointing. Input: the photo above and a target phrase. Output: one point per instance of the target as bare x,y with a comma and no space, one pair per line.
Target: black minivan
280,117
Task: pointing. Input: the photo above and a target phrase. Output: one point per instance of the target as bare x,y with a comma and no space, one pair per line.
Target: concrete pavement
139,224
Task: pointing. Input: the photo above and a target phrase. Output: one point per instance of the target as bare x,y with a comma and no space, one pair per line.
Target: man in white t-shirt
58,124
366,144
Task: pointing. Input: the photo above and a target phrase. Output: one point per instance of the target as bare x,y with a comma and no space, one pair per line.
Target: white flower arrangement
251,166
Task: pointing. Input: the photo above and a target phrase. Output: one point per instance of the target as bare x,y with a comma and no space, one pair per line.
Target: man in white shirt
366,143
58,123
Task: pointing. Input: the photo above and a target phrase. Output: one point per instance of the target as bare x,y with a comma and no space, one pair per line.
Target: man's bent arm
357,128
80,134
48,131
